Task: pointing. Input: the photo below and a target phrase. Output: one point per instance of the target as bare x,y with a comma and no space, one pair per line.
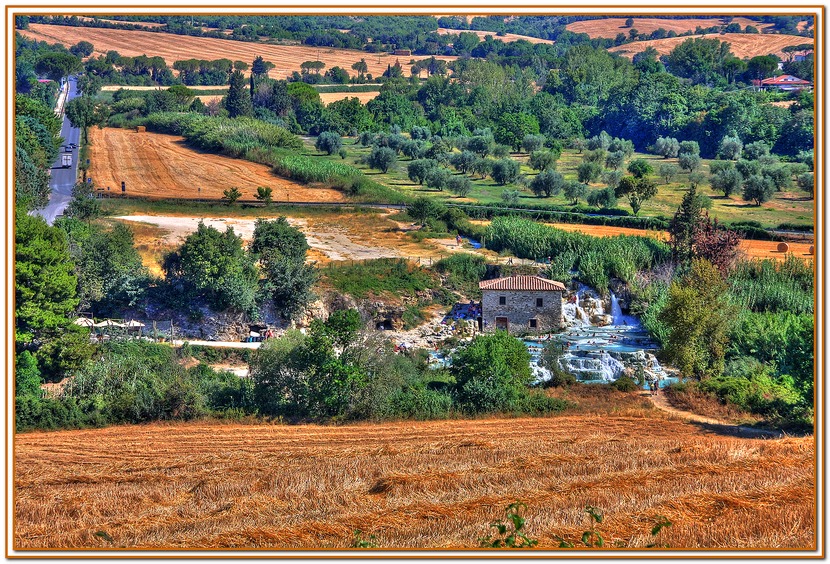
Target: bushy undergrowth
463,272
135,382
597,259
395,277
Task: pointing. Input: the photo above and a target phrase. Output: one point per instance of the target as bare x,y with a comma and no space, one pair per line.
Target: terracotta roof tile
525,283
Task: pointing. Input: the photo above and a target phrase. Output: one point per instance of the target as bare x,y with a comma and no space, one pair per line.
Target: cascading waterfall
601,345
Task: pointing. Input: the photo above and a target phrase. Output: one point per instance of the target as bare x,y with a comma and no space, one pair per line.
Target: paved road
63,179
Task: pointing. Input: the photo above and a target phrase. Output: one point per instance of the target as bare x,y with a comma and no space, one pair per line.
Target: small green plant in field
507,538
359,542
591,538
661,523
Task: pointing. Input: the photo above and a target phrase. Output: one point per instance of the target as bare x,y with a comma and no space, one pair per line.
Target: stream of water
600,345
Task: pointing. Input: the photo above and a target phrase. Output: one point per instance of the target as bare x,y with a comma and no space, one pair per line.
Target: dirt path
330,242
660,402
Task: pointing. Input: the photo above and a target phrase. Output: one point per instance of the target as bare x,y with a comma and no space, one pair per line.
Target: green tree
111,276
543,160
85,112
689,161
667,171
615,160
667,146
423,208
505,171
547,183
238,102
361,67
491,373
806,182
575,191
279,236
512,128
698,318
758,189
382,158
45,281
640,168
56,65
459,185
604,198
588,172
701,60
264,194
417,170
637,190
214,266
231,195
329,142
288,283
728,181
82,49
730,148
683,226
531,143
83,205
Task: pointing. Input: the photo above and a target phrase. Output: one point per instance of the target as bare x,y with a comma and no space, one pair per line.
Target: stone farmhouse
521,304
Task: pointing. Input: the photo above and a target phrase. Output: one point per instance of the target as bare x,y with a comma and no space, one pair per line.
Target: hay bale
140,129
811,249
783,247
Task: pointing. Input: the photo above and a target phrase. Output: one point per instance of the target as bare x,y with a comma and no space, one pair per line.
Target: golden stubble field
742,45
413,484
610,27
157,165
172,48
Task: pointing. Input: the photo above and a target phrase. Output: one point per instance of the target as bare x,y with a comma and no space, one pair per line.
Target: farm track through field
411,484
172,48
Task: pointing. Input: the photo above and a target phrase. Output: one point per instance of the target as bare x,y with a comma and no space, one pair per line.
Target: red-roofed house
521,304
786,82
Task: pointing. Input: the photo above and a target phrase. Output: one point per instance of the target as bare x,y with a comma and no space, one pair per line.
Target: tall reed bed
768,285
596,259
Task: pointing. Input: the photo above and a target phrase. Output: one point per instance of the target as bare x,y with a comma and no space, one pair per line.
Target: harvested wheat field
506,38
413,484
610,27
121,22
163,166
329,97
742,45
172,48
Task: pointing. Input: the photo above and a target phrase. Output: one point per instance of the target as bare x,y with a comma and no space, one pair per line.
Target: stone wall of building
520,308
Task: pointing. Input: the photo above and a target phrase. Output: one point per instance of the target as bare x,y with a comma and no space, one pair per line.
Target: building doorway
501,323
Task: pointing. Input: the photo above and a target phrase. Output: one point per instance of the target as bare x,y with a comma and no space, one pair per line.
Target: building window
539,302
502,300
533,324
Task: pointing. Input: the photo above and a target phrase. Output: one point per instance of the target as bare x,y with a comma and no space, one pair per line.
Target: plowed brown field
171,48
413,484
742,45
610,27
163,166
